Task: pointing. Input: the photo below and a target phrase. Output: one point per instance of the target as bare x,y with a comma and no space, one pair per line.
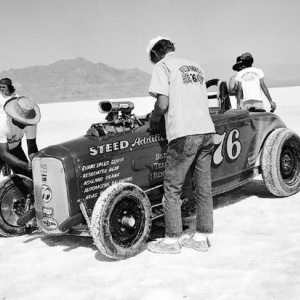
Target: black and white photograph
150,150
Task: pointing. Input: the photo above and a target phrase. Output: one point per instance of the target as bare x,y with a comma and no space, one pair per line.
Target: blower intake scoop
119,118
116,110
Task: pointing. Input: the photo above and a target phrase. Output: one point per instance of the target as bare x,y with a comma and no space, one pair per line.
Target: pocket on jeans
178,145
209,145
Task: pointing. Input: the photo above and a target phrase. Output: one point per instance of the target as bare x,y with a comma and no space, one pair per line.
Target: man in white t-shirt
179,86
251,84
22,116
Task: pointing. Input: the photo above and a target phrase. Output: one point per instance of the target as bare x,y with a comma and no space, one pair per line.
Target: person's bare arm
32,148
267,94
232,86
11,159
160,107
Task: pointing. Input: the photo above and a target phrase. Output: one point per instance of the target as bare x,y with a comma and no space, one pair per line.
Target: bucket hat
23,109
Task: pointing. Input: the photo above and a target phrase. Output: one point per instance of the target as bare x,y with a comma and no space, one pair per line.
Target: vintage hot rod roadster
110,180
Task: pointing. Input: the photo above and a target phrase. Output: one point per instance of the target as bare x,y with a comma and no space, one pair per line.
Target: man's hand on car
154,122
273,106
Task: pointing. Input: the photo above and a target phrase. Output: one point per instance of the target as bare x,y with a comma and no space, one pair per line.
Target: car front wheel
16,197
280,162
121,221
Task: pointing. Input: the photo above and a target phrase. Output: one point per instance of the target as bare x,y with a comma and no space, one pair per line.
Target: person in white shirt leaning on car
21,117
251,85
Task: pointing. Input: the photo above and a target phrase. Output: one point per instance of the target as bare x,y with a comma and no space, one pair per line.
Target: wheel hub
287,164
13,205
125,222
128,221
19,206
12,209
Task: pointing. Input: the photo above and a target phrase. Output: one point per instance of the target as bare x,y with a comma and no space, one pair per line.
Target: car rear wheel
121,221
280,162
16,197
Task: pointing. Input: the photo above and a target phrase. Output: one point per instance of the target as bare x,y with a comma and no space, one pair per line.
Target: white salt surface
255,251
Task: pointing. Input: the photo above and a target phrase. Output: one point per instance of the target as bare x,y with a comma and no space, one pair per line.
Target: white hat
23,110
153,42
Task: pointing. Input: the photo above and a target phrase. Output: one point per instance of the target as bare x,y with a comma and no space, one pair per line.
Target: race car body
85,167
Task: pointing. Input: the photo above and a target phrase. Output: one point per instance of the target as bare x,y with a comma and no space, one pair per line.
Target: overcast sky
116,32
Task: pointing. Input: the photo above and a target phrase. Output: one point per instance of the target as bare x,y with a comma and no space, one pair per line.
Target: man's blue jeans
195,152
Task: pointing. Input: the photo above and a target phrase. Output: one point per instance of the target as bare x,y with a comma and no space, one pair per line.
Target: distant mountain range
80,79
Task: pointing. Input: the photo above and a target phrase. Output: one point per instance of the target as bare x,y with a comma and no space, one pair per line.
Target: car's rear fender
276,123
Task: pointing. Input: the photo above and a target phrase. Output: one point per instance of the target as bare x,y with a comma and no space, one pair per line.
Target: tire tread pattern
270,163
100,225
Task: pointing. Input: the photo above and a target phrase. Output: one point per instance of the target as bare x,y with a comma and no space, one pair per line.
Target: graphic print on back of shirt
191,74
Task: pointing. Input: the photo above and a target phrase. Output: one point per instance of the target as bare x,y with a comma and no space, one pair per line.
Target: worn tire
121,221
14,190
280,162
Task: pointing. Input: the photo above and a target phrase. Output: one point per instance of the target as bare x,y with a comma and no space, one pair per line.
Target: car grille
50,193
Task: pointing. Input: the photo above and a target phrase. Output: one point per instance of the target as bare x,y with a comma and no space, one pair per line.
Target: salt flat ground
255,251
